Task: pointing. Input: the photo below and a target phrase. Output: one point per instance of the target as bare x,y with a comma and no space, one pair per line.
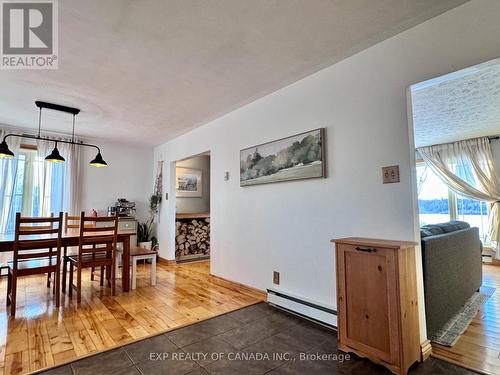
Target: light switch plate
390,175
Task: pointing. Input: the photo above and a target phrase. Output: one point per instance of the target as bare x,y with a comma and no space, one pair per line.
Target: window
433,197
38,188
475,213
438,204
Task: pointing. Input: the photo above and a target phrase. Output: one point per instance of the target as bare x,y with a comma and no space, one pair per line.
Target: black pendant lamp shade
55,156
4,151
98,161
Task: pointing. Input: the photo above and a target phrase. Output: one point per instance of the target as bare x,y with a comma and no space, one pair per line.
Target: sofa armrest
452,268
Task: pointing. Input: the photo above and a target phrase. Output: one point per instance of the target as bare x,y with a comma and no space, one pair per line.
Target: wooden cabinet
126,224
377,301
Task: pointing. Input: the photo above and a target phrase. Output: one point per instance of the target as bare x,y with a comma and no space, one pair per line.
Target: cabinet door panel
370,301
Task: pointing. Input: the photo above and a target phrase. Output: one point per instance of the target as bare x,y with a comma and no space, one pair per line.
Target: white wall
361,102
196,204
129,175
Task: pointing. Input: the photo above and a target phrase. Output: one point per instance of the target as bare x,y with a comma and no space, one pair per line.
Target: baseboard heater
310,310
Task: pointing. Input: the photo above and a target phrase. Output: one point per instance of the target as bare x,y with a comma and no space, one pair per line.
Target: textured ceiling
461,105
148,71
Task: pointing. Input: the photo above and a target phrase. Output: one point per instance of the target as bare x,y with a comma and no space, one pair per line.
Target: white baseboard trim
312,310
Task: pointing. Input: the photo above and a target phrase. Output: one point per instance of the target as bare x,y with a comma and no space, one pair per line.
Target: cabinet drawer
127,225
368,300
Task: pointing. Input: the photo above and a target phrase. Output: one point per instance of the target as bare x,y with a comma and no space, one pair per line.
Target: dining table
72,238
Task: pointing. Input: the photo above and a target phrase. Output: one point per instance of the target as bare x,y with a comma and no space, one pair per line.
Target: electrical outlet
276,277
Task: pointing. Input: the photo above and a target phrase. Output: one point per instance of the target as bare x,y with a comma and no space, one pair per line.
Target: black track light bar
28,136
57,107
55,156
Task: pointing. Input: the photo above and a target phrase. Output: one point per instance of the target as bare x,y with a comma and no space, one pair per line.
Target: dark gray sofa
452,267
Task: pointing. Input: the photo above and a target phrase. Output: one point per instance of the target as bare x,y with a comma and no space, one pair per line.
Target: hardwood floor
479,347
42,336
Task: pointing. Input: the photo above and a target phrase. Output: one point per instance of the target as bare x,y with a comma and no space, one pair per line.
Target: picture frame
296,157
188,182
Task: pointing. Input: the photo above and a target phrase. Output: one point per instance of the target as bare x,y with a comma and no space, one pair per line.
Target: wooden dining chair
72,224
38,227
34,253
96,248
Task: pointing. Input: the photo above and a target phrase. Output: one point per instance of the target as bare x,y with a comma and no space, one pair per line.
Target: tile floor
259,339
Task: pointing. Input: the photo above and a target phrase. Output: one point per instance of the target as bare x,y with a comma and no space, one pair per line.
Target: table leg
153,270
64,270
126,264
134,273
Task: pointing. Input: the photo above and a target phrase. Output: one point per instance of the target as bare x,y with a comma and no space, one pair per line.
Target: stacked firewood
192,237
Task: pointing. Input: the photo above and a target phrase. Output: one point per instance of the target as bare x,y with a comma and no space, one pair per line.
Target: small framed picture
188,182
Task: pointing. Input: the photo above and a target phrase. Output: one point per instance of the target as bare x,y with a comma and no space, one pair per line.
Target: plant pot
145,245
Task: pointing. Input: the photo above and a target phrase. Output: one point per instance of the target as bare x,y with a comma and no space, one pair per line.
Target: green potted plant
145,229
144,235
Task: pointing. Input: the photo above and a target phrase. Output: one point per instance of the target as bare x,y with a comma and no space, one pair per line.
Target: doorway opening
455,122
192,208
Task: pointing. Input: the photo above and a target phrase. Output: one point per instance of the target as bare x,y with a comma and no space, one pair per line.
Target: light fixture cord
39,121
73,134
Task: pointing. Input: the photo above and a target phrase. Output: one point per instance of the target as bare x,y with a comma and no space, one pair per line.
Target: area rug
451,331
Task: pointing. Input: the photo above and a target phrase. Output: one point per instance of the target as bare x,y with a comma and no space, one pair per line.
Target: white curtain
467,168
8,182
58,183
8,171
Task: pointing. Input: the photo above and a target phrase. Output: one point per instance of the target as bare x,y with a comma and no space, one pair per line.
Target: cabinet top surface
374,242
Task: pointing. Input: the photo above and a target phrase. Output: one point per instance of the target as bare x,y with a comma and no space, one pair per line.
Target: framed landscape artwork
188,182
296,157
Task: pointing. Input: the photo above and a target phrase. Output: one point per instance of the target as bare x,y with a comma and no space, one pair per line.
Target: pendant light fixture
55,156
4,151
98,161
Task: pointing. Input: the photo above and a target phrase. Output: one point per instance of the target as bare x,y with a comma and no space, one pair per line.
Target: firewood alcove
192,236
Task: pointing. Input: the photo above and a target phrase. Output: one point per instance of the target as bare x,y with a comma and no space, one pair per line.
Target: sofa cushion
453,226
442,228
425,233
431,230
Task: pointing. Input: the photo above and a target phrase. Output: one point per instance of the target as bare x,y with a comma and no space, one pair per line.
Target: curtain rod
490,138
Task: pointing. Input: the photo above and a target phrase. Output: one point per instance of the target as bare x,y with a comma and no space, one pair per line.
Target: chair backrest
69,222
37,233
37,226
97,234
72,222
